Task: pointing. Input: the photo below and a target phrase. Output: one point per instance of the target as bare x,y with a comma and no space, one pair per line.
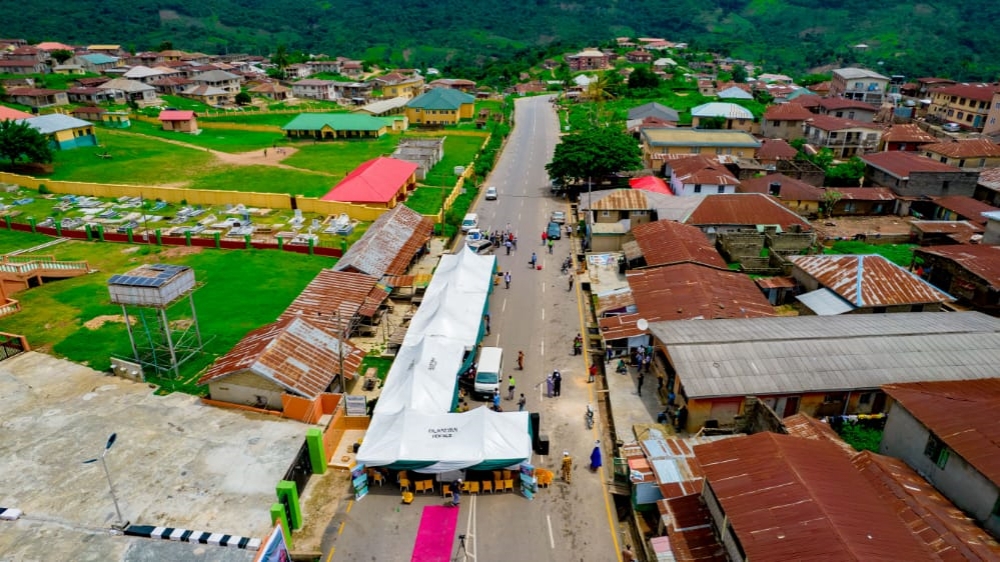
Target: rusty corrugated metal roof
332,292
931,517
615,300
622,200
620,326
789,498
667,242
869,280
692,538
389,245
295,354
902,164
688,291
775,282
865,193
966,207
808,427
744,209
960,413
979,260
696,169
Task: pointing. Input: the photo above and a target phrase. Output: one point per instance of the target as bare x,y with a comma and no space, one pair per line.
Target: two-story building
440,106
795,194
992,125
696,175
970,272
610,215
394,85
912,175
859,84
846,109
844,137
965,104
225,81
905,137
314,88
657,143
784,121
947,431
587,59
971,154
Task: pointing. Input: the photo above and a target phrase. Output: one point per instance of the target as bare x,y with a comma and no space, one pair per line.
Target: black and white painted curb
200,537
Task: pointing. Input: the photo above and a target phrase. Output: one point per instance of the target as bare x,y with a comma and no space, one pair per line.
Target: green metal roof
441,98
336,121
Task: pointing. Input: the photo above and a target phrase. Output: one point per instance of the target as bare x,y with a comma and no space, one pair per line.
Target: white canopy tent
432,443
422,377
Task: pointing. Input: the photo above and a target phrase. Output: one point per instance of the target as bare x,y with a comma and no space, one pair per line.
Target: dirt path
266,157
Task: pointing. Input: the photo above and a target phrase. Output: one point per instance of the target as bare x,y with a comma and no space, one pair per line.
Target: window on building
695,150
722,189
996,508
778,123
833,135
937,451
961,163
982,162
850,115
839,114
945,185
865,398
605,213
697,188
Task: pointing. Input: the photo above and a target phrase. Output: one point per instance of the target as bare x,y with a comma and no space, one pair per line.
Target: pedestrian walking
577,345
496,400
486,319
521,403
647,362
550,246
607,352
592,372
513,240
508,244
567,468
570,288
533,260
545,237
456,491
510,387
595,456
550,385
556,383
641,377
627,554
265,153
520,360
506,279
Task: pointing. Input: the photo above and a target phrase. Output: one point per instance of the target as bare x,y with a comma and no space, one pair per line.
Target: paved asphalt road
566,522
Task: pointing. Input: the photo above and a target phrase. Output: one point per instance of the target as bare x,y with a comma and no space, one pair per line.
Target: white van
470,221
489,372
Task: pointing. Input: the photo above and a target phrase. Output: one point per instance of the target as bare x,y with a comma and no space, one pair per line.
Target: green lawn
459,150
341,156
264,179
241,291
263,118
11,240
135,160
427,200
223,140
899,254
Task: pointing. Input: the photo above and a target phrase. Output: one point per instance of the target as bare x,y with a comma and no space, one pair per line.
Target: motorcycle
590,417
567,264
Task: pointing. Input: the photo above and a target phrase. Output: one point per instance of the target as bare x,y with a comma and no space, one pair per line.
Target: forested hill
915,39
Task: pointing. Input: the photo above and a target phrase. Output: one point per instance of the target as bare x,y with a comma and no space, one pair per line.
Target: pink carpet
436,534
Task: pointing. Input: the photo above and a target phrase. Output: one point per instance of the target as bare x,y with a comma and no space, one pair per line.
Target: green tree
243,98
280,59
643,78
846,174
830,199
61,55
165,46
594,152
739,74
19,141
711,122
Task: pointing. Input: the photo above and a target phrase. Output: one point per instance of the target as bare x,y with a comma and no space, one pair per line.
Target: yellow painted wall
467,110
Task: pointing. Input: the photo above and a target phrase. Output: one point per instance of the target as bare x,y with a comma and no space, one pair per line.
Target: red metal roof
978,92
979,260
775,282
650,183
908,132
830,123
787,112
868,280
833,104
791,189
686,291
332,292
865,193
690,530
931,517
972,148
902,164
34,92
962,414
11,113
389,245
378,180
966,207
667,242
789,498
703,170
744,209
807,100
620,326
808,427
776,149
176,115
297,355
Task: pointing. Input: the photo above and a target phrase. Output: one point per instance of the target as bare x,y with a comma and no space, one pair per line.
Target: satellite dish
642,324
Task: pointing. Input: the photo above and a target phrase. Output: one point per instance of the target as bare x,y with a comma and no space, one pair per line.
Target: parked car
952,127
554,231
559,217
481,246
491,193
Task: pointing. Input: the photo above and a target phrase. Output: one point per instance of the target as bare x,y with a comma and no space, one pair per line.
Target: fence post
159,237
311,247
247,237
128,231
6,220
289,493
31,221
58,228
90,233
218,243
281,244
100,232
317,453
187,237
278,514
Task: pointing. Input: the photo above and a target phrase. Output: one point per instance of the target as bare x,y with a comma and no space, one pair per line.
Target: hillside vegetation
475,38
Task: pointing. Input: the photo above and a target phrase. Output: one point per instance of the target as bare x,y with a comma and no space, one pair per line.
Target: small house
64,132
177,120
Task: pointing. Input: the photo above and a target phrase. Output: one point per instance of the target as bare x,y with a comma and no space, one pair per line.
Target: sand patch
98,321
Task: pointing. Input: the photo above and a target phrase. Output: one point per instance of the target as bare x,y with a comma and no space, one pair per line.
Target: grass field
899,254
241,291
339,157
259,118
223,140
11,240
266,179
459,150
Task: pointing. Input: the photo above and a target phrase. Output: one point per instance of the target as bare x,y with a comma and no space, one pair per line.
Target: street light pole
121,524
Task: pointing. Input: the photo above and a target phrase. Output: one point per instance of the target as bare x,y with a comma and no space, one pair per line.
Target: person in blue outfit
595,456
